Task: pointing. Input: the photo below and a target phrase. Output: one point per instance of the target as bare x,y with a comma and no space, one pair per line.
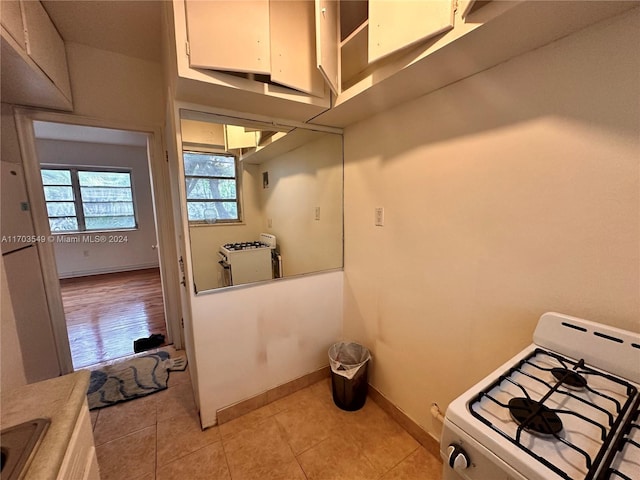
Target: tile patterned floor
301,436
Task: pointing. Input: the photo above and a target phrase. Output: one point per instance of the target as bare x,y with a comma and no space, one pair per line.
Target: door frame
163,212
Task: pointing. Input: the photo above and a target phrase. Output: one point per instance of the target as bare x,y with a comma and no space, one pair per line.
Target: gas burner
534,416
244,245
569,378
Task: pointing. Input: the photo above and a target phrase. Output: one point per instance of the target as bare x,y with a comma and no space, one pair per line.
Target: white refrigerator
24,278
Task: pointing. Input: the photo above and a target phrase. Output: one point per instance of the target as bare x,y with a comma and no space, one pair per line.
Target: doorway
90,251
101,330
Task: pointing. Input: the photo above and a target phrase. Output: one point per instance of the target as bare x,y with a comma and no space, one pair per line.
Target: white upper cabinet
34,59
327,52
293,46
397,24
253,56
267,37
236,137
464,7
11,18
229,35
354,35
45,46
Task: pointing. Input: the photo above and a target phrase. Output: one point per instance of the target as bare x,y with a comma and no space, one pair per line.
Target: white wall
115,87
250,339
12,372
299,181
77,259
507,194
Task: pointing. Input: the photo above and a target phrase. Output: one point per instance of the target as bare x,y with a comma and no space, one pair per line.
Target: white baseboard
101,271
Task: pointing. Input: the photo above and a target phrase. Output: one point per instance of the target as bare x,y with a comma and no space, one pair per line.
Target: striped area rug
131,379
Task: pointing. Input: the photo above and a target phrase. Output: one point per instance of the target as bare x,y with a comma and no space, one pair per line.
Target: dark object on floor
142,344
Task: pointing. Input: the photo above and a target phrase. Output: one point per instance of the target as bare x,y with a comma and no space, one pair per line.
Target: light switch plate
379,216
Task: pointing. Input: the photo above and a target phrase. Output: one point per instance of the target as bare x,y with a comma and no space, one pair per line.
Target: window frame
79,203
237,178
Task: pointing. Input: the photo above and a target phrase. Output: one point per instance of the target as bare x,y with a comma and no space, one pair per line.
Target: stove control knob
458,458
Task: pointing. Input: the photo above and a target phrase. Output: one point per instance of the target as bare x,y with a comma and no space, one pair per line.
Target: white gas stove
567,407
247,262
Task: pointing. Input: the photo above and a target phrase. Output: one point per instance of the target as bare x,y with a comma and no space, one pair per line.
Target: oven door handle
224,265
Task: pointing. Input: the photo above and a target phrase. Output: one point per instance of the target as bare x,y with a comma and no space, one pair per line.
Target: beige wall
299,181
115,87
507,194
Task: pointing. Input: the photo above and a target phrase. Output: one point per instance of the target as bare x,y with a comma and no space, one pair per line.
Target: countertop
60,399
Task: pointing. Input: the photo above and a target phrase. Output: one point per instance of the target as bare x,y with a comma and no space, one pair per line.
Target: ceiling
128,27
78,133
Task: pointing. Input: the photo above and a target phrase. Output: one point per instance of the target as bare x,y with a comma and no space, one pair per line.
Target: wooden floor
106,313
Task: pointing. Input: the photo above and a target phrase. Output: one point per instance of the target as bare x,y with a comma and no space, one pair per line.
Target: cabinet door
80,461
45,45
396,24
293,52
238,137
327,41
229,35
464,7
11,18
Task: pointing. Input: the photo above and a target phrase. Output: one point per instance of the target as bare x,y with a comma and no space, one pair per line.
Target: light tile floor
301,436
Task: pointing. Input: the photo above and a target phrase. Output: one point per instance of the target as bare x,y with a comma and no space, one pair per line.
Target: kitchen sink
18,444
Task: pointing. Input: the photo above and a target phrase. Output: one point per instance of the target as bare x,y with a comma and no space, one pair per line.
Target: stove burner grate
534,416
569,378
622,467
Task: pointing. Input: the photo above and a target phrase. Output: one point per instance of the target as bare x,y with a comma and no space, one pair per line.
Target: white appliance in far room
566,408
24,277
247,262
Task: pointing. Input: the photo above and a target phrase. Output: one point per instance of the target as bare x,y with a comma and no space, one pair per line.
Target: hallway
106,313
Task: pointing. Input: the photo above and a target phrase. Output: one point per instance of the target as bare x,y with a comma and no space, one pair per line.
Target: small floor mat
131,379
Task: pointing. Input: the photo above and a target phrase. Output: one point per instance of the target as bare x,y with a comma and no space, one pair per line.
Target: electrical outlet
317,213
379,216
269,223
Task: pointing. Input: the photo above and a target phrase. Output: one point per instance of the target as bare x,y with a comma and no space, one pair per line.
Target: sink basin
18,444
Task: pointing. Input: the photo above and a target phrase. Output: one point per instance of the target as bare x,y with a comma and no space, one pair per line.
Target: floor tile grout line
187,453
399,462
226,459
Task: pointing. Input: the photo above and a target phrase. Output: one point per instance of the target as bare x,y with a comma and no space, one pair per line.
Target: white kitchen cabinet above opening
254,56
353,36
484,34
34,61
